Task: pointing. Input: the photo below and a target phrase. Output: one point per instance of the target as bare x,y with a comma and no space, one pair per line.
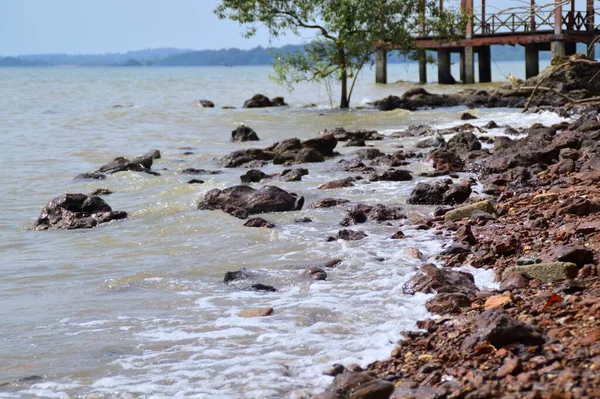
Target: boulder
241,274
467,116
253,176
241,157
244,133
380,213
456,194
347,182
431,279
76,211
142,163
360,385
513,281
315,273
464,142
241,201
259,222
545,272
348,235
206,103
393,175
446,160
258,101
428,194
308,155
324,144
467,211
448,303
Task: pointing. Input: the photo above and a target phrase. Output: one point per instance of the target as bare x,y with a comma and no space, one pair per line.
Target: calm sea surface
137,308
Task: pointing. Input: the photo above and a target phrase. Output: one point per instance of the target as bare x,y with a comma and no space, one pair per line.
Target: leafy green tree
347,32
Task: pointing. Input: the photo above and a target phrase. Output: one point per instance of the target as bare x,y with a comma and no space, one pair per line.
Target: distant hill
225,57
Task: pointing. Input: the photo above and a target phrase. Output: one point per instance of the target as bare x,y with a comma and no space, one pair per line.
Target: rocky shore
536,224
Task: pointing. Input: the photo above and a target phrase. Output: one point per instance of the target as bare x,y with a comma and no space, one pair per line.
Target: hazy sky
101,26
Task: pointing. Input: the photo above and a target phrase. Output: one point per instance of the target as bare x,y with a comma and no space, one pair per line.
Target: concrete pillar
532,61
423,69
469,65
485,64
558,48
444,72
381,66
570,48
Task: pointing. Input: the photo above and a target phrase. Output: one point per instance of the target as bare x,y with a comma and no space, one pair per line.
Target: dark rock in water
347,182
140,164
293,145
194,171
448,303
498,329
325,144
379,213
464,142
466,116
308,155
398,235
293,174
333,263
241,157
436,141
491,125
456,194
259,222
253,176
358,385
328,203
511,131
258,101
206,103
101,191
92,176
195,181
369,153
350,235
244,133
241,201
393,175
241,274
415,131
278,102
430,279
76,211
446,160
303,220
356,143
433,194
315,273
261,287
342,134
335,370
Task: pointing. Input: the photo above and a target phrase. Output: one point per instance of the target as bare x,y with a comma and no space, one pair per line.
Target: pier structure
554,27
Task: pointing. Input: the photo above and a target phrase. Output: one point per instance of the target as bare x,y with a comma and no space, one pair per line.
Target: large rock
545,272
467,211
498,329
581,256
142,163
393,175
324,144
446,160
262,101
448,303
241,201
241,157
464,142
76,211
439,193
244,133
431,279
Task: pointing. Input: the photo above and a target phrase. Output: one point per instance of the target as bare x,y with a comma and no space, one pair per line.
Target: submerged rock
76,211
244,133
241,201
262,101
140,164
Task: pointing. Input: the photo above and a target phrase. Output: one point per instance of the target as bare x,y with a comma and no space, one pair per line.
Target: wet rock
379,213
514,281
76,211
206,103
578,255
393,175
398,235
436,141
195,181
432,279
415,131
262,288
309,155
260,101
361,385
293,174
446,303
253,176
333,263
278,102
241,274
446,160
546,272
315,273
491,125
325,144
255,312
498,329
464,142
528,260
356,143
466,116
342,134
194,171
335,370
511,131
369,154
244,133
456,248
347,182
259,222
467,211
328,203
428,194
101,191
90,176
465,234
140,164
503,143
241,201
456,194
303,220
349,235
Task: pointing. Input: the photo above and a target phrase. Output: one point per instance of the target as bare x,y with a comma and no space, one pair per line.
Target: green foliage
347,33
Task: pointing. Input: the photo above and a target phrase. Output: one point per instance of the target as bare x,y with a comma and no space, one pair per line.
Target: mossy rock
545,198
546,272
467,211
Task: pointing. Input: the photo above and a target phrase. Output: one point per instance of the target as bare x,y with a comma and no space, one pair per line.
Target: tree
347,33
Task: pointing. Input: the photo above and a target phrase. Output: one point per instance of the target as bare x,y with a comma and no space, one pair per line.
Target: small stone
255,312
101,191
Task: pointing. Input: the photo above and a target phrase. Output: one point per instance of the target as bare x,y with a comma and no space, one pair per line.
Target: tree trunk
344,103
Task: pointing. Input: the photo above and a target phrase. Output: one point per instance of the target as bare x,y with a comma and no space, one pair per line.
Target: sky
108,26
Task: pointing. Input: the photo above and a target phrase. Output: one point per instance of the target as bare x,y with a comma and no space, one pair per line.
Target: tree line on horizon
224,57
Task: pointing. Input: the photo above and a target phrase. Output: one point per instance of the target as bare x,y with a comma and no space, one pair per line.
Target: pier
554,27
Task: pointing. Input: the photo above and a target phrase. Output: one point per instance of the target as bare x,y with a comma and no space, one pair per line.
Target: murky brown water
137,308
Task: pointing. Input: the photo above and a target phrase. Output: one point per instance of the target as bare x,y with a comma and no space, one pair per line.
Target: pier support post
444,72
558,49
485,64
469,65
381,66
423,69
532,61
